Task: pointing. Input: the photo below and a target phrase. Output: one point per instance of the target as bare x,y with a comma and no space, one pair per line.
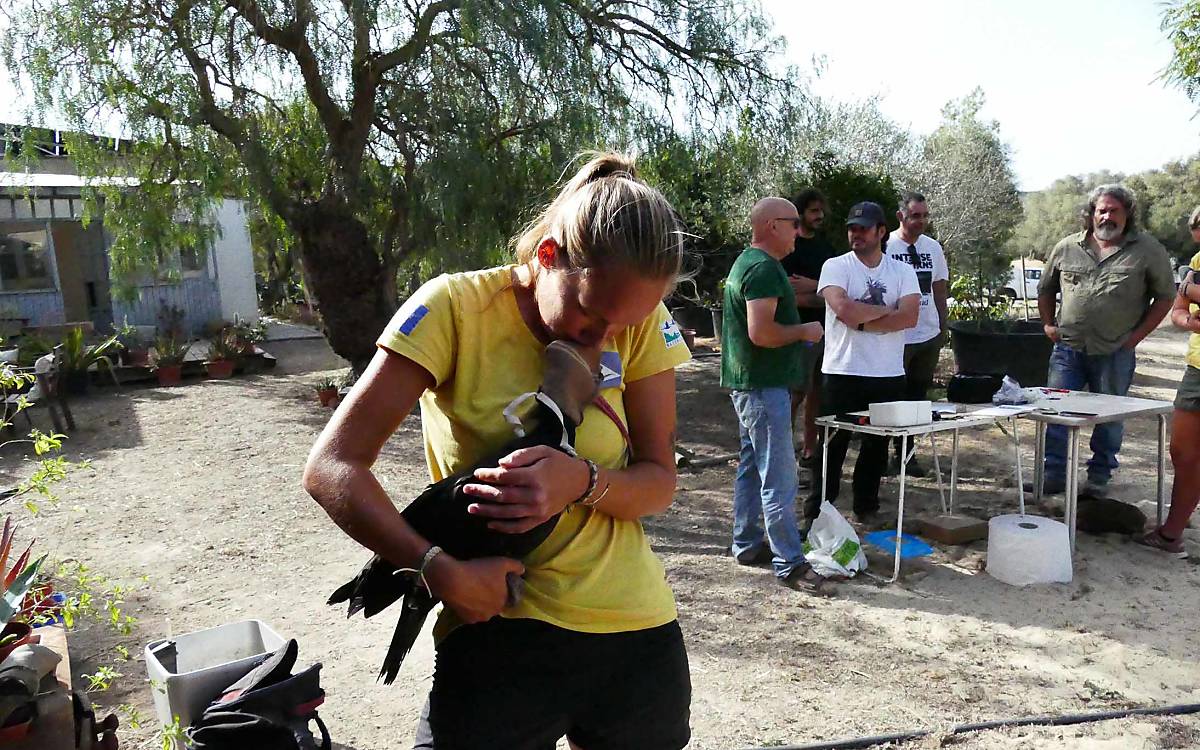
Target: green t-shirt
745,366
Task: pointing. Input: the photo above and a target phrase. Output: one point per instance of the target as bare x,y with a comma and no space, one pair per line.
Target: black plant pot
698,318
1017,348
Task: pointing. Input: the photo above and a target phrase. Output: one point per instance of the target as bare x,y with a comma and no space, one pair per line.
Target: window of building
25,261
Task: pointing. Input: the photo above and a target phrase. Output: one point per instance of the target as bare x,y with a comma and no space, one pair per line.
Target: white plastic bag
1010,394
832,547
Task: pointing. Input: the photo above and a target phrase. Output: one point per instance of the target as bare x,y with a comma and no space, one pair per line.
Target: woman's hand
477,590
527,488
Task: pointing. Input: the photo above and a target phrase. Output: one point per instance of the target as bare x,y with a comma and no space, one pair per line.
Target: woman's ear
547,253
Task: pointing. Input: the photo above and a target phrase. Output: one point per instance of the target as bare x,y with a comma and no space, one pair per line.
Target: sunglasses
795,221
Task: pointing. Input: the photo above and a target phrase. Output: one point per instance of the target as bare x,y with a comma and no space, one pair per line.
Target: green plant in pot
327,391
135,349
987,340
248,334
16,581
76,358
169,353
222,354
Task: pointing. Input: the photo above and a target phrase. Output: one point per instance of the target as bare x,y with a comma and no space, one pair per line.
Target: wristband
593,480
430,553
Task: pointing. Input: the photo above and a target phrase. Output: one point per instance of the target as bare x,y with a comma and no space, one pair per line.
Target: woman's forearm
359,505
640,489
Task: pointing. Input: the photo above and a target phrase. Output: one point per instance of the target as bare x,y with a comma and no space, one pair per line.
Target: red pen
1055,390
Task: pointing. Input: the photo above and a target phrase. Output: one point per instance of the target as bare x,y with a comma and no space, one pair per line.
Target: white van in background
1018,288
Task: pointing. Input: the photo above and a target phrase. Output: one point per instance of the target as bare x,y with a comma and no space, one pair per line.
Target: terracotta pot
169,374
327,396
221,368
22,630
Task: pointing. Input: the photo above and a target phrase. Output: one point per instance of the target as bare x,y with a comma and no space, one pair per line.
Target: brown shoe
1155,539
804,578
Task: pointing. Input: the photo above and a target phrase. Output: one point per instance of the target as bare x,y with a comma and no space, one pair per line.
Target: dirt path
198,489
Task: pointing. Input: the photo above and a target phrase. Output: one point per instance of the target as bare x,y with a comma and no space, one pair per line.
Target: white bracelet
419,571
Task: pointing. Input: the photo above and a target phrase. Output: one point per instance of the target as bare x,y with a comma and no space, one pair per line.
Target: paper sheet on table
1004,411
944,407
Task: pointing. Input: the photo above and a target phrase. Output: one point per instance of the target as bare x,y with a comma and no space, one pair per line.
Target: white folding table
1078,409
961,420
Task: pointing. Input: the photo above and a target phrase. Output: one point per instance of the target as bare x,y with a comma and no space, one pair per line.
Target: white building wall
234,262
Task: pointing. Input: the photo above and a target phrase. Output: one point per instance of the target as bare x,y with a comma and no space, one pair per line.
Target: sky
1073,83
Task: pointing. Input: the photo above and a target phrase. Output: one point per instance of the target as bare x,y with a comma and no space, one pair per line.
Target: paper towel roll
1028,549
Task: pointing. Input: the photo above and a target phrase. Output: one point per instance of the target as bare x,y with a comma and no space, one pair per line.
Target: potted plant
327,391
135,348
76,358
986,341
222,354
15,582
168,357
248,334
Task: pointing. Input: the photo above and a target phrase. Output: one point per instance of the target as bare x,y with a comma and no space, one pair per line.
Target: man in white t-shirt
871,300
923,342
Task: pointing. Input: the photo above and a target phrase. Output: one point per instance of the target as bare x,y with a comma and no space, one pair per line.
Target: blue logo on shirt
407,327
610,369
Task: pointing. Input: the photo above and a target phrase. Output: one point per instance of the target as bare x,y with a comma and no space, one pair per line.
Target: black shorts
523,684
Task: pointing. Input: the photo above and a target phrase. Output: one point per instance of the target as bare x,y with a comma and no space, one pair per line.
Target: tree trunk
346,277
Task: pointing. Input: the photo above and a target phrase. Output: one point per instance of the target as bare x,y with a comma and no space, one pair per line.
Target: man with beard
1117,285
871,300
803,267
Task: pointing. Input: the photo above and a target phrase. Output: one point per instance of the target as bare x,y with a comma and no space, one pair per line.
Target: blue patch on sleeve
407,327
610,369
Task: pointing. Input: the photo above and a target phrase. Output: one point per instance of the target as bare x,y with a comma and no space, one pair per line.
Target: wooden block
954,529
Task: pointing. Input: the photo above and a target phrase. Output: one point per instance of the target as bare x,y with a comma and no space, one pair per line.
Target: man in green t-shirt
763,358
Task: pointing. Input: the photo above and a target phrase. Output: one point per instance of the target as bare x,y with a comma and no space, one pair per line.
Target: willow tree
370,130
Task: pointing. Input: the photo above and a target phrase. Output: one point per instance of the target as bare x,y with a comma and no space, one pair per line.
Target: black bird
440,514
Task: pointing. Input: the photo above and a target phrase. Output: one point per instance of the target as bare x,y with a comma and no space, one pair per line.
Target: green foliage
224,345
366,134
77,356
1181,22
101,679
170,351
845,184
1166,198
325,384
967,177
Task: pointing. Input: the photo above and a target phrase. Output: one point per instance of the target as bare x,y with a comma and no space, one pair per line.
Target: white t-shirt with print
849,351
931,267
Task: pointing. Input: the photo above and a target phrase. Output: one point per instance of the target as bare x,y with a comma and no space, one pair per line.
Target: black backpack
268,709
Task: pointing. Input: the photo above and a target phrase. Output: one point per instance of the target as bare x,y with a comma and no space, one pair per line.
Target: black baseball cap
866,214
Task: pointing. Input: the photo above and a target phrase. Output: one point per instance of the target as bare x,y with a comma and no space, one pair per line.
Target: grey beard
1107,232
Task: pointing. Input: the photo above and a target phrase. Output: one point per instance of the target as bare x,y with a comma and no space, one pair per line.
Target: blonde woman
592,650
1185,424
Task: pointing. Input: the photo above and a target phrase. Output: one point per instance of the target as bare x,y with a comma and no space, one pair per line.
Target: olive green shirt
1104,300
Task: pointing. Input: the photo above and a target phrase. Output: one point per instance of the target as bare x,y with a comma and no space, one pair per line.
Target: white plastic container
901,413
190,671
1028,549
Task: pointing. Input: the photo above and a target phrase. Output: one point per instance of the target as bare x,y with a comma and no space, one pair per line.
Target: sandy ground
197,488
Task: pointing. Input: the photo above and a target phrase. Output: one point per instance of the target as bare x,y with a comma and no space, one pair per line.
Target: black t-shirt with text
806,260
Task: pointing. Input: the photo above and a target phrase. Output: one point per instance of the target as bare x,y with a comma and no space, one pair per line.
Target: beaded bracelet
593,479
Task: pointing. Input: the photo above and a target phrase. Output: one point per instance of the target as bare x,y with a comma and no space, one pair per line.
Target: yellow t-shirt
1193,355
594,573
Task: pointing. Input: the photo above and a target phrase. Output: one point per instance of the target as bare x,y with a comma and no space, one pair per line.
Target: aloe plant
19,578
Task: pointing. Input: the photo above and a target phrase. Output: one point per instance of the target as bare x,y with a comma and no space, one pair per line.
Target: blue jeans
766,483
1098,373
